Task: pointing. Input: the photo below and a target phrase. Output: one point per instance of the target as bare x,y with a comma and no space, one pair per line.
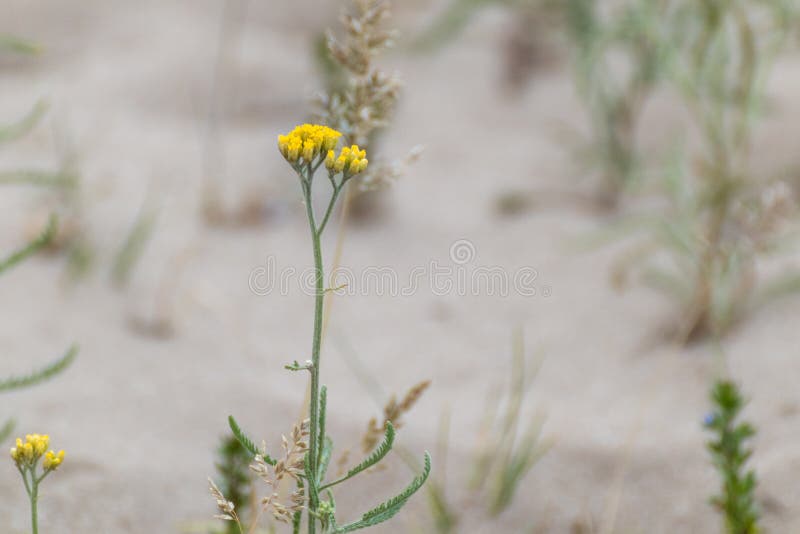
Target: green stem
24,474
34,502
336,190
315,352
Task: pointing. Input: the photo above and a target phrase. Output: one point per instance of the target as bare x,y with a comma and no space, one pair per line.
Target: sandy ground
129,87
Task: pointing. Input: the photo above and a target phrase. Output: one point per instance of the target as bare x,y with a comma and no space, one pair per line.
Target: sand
129,87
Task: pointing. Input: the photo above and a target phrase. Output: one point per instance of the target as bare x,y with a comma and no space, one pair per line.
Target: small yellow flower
29,451
352,160
308,141
283,145
52,460
330,159
341,161
310,149
294,149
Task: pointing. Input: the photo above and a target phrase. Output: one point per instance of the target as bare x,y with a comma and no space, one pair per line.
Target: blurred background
562,148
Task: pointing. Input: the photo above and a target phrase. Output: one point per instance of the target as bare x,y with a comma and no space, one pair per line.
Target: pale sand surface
128,84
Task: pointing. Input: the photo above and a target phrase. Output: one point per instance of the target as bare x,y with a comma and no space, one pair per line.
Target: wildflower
307,452
351,160
52,460
709,420
308,141
28,453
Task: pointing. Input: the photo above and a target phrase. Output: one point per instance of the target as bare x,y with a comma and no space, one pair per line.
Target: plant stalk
319,298
34,495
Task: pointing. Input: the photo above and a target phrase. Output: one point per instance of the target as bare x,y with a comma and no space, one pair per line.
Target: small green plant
729,454
26,456
619,55
63,183
720,216
308,451
618,60
503,456
44,238
506,453
15,258
233,462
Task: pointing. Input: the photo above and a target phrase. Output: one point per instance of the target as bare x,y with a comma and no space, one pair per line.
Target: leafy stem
307,148
319,298
376,456
729,453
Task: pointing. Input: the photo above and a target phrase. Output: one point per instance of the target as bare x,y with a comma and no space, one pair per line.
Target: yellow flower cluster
307,141
27,453
351,160
52,460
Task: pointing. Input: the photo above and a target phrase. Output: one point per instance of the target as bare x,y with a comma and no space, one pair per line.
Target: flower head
351,160
307,141
27,453
52,460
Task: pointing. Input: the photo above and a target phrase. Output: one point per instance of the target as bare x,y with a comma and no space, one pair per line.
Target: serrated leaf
31,248
248,443
389,509
41,375
377,455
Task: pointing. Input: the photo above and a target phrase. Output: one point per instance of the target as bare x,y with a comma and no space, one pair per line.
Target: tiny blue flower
709,419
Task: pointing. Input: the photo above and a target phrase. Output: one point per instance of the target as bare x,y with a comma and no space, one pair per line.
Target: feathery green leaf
376,456
248,443
31,248
389,509
41,375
